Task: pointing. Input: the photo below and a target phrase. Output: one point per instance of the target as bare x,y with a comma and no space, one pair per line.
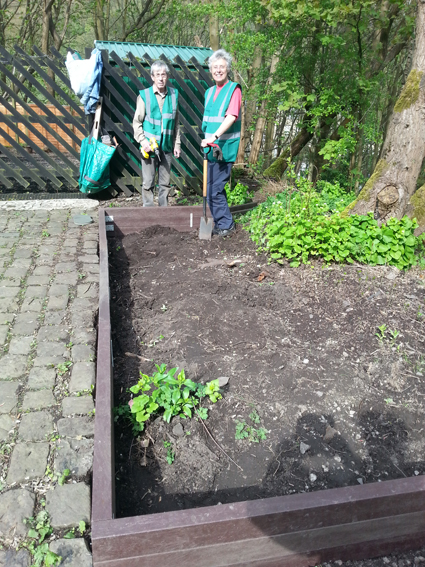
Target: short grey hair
159,65
220,54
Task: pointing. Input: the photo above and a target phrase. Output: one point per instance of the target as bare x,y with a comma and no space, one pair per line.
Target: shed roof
154,51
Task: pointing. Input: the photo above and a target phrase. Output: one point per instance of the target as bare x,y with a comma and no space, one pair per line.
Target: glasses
161,75
219,67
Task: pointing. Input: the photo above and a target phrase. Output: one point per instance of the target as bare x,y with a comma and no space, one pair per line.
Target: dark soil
340,406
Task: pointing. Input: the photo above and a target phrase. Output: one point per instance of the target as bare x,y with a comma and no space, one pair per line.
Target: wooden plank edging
285,531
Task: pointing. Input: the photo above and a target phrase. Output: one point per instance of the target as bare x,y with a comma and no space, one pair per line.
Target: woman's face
219,71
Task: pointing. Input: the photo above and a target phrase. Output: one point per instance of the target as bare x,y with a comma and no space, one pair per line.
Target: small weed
44,233
170,453
63,477
118,248
63,367
70,344
164,308
39,530
82,526
249,432
381,333
155,341
81,275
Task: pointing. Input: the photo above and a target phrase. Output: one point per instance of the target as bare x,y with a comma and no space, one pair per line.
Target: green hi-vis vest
214,114
157,125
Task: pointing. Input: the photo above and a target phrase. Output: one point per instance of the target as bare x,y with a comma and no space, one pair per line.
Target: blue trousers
218,176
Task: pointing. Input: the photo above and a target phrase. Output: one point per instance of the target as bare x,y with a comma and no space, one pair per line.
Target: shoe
225,231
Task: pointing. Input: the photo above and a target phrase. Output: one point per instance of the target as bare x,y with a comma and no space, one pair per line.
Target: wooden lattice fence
42,122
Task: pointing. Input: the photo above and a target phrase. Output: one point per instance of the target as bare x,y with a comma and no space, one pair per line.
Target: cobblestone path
48,302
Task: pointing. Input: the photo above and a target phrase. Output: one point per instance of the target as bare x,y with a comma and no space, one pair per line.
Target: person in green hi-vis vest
222,126
157,116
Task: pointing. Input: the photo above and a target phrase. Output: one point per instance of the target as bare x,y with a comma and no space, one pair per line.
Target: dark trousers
218,176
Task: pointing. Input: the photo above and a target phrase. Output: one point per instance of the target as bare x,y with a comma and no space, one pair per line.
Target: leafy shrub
239,195
307,224
164,392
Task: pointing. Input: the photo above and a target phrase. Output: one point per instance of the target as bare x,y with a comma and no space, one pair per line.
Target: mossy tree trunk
389,190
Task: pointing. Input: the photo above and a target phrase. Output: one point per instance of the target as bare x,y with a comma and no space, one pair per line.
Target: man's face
159,79
219,71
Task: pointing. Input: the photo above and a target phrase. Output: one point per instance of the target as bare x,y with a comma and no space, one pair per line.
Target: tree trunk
268,150
214,32
261,122
404,145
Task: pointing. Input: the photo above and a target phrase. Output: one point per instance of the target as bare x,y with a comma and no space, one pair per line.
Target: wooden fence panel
42,123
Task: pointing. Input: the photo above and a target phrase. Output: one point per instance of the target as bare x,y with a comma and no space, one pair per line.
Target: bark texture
397,171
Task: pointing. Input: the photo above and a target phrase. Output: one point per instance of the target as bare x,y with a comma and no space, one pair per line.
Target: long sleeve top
139,116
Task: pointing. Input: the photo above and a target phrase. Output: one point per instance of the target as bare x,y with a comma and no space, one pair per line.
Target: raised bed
296,530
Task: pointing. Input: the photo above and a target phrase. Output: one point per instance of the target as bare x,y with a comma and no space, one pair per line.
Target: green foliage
238,195
63,477
249,432
63,367
170,453
39,530
307,224
167,392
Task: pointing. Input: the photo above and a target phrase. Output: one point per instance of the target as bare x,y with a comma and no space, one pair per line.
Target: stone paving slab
28,461
6,318
82,405
82,353
8,396
41,377
38,399
8,304
12,366
6,425
74,552
15,505
68,505
75,455
4,329
21,345
36,426
57,303
52,333
82,376
12,558
75,427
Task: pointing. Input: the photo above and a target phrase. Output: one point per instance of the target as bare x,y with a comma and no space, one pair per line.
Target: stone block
38,280
15,272
23,253
8,396
89,259
82,376
67,278
7,318
38,399
36,426
57,303
9,292
36,291
15,505
52,333
21,345
41,378
65,267
75,426
11,282
42,271
4,329
84,336
7,423
82,353
58,290
88,290
52,349
32,305
74,552
29,460
84,304
81,405
8,304
68,505
12,558
82,319
53,317
12,366
75,455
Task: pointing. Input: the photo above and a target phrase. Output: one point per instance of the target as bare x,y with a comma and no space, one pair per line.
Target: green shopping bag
94,165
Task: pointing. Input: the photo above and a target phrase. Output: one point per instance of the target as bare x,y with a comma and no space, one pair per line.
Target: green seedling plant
39,530
381,333
239,195
250,432
44,233
170,453
169,393
62,479
63,367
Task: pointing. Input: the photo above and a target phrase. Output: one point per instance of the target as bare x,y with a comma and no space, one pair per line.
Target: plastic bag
94,165
80,72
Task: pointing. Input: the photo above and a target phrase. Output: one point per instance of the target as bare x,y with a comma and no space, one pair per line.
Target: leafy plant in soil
165,392
40,529
249,432
239,195
170,453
